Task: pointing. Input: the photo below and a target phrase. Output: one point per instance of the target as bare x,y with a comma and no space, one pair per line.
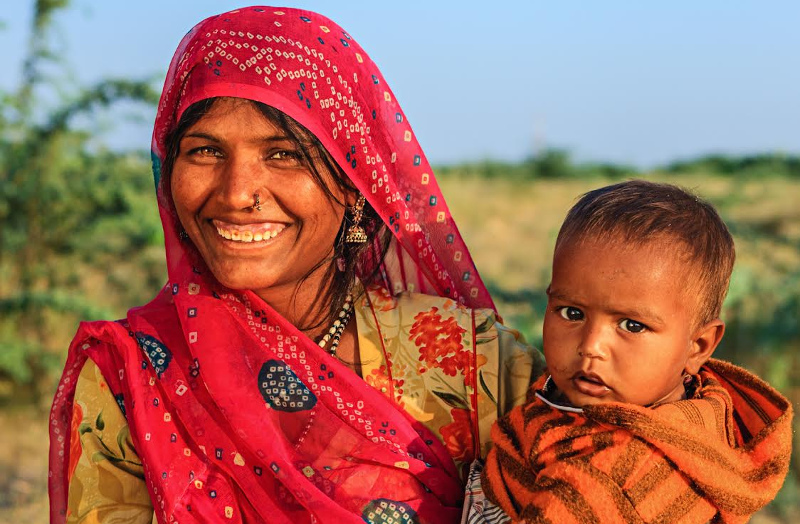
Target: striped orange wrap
719,456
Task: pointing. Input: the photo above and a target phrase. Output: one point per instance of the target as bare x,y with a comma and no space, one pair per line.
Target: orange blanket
723,454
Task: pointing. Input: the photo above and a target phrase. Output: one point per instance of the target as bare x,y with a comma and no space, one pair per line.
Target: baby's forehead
665,244
658,251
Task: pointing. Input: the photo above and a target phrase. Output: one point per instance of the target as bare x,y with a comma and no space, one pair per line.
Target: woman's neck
301,303
348,350
301,306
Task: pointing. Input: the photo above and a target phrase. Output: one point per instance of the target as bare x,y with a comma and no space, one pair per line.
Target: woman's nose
594,342
242,178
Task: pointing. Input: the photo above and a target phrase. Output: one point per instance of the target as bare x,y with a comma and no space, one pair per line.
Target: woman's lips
590,384
247,233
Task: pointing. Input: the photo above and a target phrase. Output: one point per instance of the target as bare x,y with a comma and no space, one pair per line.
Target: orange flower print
382,300
469,370
398,387
439,342
74,439
457,436
379,379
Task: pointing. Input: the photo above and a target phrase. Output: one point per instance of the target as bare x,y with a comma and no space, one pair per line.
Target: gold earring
356,233
257,204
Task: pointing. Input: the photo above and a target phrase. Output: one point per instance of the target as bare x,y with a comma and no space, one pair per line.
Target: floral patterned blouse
454,369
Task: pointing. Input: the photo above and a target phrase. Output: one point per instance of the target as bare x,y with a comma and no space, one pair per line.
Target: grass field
510,228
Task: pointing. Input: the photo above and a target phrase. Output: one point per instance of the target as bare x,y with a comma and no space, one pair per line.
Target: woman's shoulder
420,312
106,333
421,306
383,300
442,361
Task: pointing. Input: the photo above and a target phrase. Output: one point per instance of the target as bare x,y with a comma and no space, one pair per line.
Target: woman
324,350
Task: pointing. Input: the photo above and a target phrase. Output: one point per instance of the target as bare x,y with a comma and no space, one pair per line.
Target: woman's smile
249,233
271,243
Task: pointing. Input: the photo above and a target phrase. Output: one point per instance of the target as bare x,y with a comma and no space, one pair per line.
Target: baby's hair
639,213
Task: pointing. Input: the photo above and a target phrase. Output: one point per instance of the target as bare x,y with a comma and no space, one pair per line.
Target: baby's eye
570,313
631,326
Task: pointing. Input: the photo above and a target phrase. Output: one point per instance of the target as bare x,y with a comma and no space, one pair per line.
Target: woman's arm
507,366
106,478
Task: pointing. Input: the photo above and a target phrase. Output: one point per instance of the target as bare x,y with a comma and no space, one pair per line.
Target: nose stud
257,203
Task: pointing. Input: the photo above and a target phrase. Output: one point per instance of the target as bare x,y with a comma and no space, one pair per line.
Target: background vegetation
80,239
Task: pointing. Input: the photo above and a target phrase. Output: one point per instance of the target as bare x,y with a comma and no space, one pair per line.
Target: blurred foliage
68,208
556,164
775,164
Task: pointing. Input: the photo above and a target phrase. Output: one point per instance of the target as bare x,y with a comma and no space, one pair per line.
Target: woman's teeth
247,236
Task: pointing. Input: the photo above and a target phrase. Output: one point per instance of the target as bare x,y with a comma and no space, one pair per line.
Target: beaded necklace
334,334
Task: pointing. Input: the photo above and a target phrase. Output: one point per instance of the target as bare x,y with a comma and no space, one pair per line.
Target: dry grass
23,466
510,228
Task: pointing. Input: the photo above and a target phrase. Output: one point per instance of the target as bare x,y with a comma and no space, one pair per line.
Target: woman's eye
570,313
204,151
286,156
631,326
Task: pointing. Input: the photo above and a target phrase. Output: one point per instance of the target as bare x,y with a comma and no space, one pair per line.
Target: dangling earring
356,233
689,385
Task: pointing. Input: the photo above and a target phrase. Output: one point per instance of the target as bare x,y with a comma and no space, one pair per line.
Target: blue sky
642,83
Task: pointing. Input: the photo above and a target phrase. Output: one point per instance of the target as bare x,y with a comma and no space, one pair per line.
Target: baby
633,422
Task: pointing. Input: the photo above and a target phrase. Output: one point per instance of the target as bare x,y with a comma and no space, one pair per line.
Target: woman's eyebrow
213,138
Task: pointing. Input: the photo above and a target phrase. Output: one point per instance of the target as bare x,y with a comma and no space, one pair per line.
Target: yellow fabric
409,346
108,483
424,379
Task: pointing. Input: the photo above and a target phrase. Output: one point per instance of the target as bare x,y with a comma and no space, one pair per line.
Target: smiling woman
324,349
233,155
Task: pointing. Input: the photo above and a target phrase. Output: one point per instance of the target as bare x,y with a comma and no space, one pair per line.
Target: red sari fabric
236,414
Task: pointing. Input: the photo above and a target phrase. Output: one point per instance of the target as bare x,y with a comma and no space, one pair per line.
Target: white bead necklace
334,334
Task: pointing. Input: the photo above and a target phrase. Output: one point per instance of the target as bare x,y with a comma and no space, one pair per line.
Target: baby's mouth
590,384
247,233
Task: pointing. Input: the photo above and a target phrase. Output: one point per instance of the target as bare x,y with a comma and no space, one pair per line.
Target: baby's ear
704,342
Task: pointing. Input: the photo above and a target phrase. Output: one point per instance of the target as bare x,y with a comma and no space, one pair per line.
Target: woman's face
232,153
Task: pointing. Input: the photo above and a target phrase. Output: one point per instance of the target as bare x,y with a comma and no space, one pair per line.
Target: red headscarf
235,413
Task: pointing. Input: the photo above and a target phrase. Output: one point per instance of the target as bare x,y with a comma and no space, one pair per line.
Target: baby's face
618,326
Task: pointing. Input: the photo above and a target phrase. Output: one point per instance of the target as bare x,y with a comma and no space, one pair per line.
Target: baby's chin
581,395
579,400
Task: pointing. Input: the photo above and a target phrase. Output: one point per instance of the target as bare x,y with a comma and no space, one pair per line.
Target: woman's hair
639,213
362,260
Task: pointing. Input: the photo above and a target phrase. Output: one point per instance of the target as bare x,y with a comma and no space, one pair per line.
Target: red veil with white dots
255,422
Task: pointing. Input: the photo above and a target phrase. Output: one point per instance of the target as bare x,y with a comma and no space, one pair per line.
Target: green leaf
99,456
484,326
454,401
121,438
99,424
486,388
85,427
